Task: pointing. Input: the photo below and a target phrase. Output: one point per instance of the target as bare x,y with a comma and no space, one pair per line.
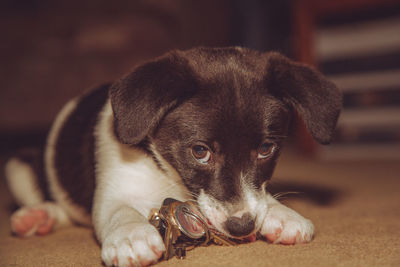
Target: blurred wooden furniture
307,14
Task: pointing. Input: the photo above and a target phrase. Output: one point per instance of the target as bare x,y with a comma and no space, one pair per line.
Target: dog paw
285,226
29,221
132,245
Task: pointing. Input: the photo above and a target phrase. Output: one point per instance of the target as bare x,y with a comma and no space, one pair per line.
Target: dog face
225,150
218,117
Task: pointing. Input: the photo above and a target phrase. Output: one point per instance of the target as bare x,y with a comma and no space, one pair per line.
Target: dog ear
142,98
317,100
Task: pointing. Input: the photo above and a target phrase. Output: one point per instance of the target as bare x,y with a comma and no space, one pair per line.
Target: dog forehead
217,116
231,98
226,64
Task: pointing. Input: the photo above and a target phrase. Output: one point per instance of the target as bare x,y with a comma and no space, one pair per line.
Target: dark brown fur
229,100
74,151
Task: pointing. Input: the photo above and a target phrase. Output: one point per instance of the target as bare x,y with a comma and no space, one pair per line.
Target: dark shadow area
10,143
319,195
12,207
6,202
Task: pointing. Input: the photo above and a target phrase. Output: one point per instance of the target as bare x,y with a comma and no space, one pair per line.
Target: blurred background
52,51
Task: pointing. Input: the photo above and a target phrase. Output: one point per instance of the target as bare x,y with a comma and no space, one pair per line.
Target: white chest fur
127,175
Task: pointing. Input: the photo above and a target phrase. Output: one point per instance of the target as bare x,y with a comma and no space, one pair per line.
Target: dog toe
133,245
285,226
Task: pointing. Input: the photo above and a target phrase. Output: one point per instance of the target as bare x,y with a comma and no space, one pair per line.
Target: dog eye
201,153
266,150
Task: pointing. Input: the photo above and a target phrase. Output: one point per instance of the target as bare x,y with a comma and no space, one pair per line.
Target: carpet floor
355,207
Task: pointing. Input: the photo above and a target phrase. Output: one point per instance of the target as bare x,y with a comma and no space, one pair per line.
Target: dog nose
240,226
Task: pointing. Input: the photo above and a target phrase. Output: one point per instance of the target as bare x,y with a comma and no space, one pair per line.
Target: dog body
204,125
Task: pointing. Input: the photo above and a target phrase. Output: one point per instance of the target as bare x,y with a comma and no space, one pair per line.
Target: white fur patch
214,211
77,213
285,225
251,201
127,177
134,244
22,182
273,219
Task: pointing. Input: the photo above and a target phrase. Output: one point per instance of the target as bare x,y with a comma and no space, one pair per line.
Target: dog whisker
280,195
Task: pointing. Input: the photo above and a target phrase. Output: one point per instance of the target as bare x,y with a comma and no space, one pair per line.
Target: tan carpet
354,206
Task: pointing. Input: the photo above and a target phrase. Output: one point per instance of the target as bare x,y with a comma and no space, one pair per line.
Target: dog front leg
128,239
284,225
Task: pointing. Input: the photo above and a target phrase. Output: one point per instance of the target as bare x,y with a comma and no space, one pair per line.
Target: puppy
205,124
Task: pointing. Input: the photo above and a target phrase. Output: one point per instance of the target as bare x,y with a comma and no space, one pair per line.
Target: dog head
219,117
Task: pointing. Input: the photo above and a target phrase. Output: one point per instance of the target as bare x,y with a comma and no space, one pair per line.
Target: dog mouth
195,225
252,237
221,231
236,223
